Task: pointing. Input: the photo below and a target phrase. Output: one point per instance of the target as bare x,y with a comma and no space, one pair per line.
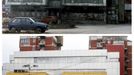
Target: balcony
26,2
84,2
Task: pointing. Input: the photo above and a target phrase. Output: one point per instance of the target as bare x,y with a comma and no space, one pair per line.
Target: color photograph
51,55
66,16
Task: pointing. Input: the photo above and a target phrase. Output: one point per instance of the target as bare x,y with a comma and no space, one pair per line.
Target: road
94,29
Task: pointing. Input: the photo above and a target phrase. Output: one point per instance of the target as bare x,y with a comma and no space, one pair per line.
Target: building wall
34,43
121,7
85,2
121,45
23,60
57,69
25,2
63,53
64,2
31,9
51,60
103,41
115,13
112,69
120,49
128,60
58,62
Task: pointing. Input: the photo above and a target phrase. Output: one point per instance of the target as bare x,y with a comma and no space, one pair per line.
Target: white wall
56,60
23,60
112,68
57,53
60,61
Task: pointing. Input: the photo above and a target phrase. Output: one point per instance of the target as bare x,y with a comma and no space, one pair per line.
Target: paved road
94,29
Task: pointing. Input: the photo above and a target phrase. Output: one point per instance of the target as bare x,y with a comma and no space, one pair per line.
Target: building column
121,8
105,15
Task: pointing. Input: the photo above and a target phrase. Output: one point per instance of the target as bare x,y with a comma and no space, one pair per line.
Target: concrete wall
57,69
60,60
11,2
95,52
57,62
85,2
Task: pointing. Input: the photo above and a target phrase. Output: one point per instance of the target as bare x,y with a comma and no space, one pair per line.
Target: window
28,20
38,1
14,0
68,1
25,41
16,21
35,60
84,1
31,20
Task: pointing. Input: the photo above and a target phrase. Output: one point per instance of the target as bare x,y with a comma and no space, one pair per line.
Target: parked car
26,23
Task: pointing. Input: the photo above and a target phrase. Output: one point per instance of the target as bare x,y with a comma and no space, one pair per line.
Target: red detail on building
93,44
120,49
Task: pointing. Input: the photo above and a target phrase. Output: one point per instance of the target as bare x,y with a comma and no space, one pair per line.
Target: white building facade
58,62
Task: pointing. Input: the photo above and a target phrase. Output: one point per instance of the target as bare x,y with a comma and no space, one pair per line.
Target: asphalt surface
90,29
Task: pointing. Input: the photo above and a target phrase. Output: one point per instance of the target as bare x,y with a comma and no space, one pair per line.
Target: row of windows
69,59
22,20
65,1
83,1
119,38
25,41
40,1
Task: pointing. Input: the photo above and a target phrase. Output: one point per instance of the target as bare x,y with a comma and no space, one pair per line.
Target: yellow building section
84,73
26,73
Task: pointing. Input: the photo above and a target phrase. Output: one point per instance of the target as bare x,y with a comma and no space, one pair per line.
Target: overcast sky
10,44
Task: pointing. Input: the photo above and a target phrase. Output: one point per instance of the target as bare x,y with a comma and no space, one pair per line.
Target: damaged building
77,11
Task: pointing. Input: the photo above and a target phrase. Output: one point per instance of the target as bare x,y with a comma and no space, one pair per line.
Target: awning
26,73
85,73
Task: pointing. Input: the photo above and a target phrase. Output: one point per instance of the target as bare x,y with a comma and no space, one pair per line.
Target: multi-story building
115,44
37,43
25,8
3,1
101,41
106,11
75,62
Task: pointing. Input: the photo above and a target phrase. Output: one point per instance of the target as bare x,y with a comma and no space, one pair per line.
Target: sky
10,44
